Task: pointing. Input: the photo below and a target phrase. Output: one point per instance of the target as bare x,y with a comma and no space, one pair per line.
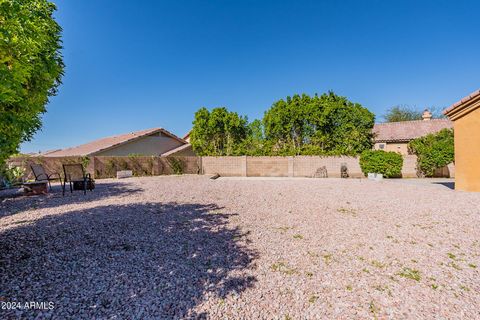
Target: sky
133,65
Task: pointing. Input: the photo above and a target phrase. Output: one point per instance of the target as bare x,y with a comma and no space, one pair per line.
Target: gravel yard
190,247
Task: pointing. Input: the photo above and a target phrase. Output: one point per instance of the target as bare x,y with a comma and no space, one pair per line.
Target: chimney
427,115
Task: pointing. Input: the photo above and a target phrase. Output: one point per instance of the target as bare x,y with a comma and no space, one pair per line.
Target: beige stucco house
150,142
395,136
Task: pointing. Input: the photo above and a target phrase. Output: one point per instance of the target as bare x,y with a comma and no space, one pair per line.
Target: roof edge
171,135
464,106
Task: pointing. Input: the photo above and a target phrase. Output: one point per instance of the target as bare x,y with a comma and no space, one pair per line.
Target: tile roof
178,149
407,130
459,103
107,143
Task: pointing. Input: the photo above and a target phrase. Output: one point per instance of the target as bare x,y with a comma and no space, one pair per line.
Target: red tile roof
405,131
459,103
107,143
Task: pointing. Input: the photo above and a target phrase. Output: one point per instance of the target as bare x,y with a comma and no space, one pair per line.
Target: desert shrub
378,161
433,151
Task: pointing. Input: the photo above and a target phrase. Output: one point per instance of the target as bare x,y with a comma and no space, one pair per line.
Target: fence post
244,166
291,173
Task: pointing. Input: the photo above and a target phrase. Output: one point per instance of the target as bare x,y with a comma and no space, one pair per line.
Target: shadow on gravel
126,261
12,203
450,185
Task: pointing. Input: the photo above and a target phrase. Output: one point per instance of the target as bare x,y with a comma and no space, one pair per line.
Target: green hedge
378,161
433,151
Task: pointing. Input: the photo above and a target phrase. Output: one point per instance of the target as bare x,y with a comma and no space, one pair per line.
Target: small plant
434,286
454,265
465,288
309,274
452,256
176,164
473,266
298,236
327,258
378,264
283,268
409,273
313,298
349,288
283,229
378,161
373,309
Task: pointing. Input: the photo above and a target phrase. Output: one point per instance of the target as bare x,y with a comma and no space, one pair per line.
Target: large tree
31,67
217,133
326,124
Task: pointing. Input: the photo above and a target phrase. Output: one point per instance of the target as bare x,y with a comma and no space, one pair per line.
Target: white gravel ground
191,247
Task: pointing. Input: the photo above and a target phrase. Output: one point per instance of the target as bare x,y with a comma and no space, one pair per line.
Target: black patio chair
77,178
41,175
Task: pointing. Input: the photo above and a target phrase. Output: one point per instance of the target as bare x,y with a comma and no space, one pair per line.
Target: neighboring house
149,142
395,136
187,136
465,115
183,151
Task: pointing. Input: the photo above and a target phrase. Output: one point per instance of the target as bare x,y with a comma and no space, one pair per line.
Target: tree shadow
11,203
140,260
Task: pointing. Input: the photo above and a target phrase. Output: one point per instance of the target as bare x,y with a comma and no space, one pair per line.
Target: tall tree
326,124
31,67
217,133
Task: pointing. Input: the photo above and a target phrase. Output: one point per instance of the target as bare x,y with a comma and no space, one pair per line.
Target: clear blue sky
132,65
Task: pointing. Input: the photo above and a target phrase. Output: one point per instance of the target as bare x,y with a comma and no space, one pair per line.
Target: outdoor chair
77,178
41,175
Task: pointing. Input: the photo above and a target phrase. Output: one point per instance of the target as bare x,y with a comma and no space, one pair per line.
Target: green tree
433,151
326,124
31,67
217,133
402,113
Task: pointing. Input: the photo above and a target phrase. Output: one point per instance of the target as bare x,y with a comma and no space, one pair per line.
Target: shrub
433,151
176,165
378,161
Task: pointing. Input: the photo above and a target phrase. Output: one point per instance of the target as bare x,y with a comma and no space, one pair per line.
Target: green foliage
433,151
217,133
326,124
402,113
10,175
300,125
31,67
378,161
176,164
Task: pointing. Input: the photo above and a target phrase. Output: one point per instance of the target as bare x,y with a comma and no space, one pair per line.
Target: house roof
456,109
178,149
187,135
405,131
108,143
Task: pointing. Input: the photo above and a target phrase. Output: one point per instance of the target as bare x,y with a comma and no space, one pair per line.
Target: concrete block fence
241,166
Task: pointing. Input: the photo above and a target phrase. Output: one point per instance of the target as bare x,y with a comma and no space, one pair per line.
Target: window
381,146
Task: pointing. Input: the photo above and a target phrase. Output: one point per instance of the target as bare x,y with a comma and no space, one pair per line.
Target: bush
378,161
433,151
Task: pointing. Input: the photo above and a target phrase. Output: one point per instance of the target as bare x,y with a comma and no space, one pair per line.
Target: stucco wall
146,146
467,152
400,147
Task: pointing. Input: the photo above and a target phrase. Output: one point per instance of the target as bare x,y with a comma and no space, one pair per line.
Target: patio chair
41,175
77,178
